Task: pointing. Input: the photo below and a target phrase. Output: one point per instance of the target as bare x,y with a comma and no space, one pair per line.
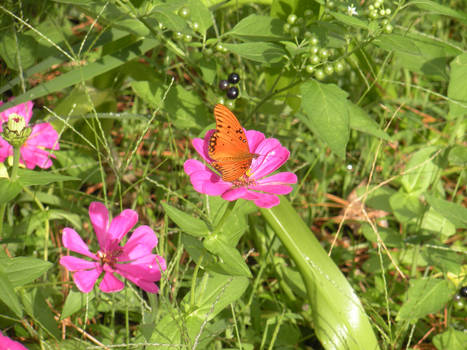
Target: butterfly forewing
228,146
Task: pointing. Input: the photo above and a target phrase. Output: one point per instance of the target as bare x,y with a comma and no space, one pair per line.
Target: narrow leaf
454,212
258,28
456,89
186,222
262,52
8,296
23,270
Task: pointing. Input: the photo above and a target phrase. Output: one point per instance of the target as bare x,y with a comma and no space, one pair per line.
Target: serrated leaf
74,302
327,114
262,52
420,171
150,92
230,257
9,190
361,121
30,177
186,222
258,28
8,295
437,8
425,296
23,270
454,212
456,88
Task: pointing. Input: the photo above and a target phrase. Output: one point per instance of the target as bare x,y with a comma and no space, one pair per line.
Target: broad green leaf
9,189
397,42
9,50
349,20
83,73
425,296
458,155
361,121
420,171
437,223
437,8
164,14
151,92
456,88
390,237
455,213
338,317
9,296
200,14
23,270
36,307
72,218
230,257
378,198
443,259
74,302
186,108
30,177
258,28
327,114
406,207
452,339
263,52
283,8
186,222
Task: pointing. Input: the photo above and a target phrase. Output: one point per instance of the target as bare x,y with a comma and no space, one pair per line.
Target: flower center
244,181
110,258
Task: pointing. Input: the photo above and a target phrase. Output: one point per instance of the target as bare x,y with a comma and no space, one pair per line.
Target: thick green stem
2,214
16,155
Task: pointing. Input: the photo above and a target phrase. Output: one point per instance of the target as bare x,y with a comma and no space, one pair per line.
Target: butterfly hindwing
228,145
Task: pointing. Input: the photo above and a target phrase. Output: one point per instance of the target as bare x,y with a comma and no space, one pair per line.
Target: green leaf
379,198
390,237
443,259
437,8
406,207
74,302
454,212
327,114
458,155
437,223
230,257
186,222
349,20
361,121
338,316
258,28
23,270
31,177
425,296
262,52
36,307
456,88
200,14
164,14
186,108
84,73
8,295
452,339
9,47
420,171
9,190
150,92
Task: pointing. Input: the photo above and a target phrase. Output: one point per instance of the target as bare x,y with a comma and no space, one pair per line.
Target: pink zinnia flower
255,185
134,260
33,152
9,344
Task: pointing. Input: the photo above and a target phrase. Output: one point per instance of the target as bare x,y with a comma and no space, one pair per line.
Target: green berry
291,19
309,69
319,74
184,12
323,53
382,12
286,27
314,41
219,47
208,51
315,59
187,38
339,67
308,13
195,26
388,28
294,31
331,4
230,104
178,35
221,101
374,14
328,69
314,50
388,12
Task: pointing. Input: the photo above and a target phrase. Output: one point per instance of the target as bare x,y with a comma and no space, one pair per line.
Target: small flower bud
16,132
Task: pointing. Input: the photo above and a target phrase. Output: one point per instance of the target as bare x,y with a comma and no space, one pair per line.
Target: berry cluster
232,91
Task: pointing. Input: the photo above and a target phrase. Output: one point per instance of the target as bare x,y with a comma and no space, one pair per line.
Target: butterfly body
228,146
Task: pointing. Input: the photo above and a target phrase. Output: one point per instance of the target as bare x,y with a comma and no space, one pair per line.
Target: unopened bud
16,131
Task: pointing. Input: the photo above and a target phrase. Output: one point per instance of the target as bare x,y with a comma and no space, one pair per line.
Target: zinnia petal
110,283
99,216
85,280
6,150
23,109
254,139
122,224
141,243
9,344
33,156
44,135
72,263
72,240
272,157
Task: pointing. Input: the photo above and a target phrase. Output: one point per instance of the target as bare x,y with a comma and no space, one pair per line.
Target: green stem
193,280
47,224
16,155
2,214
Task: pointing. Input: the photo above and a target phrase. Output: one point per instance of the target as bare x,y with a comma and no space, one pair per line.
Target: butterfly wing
228,146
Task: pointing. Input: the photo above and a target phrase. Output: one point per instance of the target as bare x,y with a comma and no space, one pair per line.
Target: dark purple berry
234,78
223,85
463,292
232,92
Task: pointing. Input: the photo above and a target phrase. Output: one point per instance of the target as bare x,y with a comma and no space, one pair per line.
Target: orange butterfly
228,146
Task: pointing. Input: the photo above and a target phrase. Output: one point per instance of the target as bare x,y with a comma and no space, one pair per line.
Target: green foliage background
372,107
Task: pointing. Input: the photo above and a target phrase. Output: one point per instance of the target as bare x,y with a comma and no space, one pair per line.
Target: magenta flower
255,185
33,152
9,344
134,261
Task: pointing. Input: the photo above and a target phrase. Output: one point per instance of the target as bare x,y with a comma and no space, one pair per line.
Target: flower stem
2,214
193,280
16,155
